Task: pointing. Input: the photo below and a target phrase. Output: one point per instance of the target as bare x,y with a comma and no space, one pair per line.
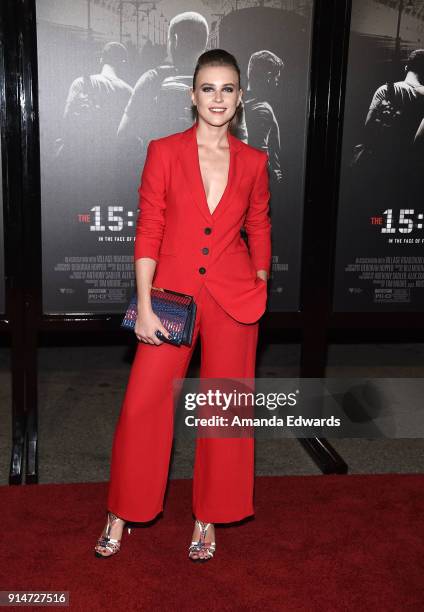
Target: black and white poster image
380,234
114,75
2,269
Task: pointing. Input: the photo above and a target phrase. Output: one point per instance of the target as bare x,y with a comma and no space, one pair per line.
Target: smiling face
217,94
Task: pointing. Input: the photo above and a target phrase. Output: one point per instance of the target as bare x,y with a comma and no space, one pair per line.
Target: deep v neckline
230,166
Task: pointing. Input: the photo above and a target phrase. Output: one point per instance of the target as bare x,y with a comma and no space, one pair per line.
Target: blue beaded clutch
177,312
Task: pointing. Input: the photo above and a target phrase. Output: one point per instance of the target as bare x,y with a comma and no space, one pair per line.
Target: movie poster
2,270
111,78
380,235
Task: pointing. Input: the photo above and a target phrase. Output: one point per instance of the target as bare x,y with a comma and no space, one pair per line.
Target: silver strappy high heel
106,542
202,546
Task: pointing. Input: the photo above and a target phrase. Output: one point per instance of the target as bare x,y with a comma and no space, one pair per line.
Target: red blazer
193,247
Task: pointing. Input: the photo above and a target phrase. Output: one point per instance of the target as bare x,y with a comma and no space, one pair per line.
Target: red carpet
330,543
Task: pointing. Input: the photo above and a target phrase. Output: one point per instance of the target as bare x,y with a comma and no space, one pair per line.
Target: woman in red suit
198,188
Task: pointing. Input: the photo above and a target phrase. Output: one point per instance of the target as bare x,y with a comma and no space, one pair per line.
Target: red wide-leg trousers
223,478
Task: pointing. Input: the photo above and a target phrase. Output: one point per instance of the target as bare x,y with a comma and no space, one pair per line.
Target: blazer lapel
189,159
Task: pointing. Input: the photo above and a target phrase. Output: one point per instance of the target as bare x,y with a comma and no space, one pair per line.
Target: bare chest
214,169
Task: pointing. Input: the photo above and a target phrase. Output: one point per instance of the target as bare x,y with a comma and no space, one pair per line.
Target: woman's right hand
147,323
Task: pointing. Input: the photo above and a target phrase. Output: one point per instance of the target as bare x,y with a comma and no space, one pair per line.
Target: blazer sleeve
257,222
151,206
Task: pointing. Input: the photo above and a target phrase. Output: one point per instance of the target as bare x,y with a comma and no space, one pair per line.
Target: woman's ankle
210,531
